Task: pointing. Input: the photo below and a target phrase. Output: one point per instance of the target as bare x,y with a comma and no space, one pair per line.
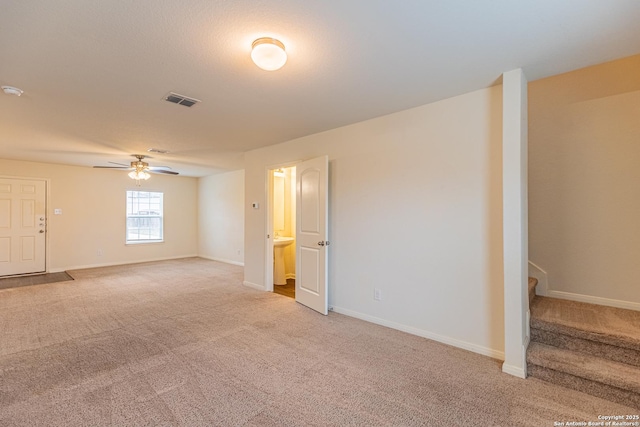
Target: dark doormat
40,279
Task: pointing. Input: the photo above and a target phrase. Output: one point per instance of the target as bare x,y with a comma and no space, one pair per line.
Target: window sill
143,242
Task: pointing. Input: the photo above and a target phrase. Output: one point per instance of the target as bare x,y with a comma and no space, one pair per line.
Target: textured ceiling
94,72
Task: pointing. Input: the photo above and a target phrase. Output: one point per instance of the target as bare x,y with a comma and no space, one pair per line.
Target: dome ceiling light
268,53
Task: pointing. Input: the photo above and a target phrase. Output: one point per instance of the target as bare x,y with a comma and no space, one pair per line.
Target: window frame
135,194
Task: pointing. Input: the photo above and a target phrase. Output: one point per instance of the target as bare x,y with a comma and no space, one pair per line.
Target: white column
515,221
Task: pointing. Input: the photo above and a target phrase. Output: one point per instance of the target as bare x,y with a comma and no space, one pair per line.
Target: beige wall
93,215
221,217
584,181
415,210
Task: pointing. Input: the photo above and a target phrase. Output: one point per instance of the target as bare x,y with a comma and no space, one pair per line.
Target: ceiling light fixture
268,53
10,90
140,171
138,175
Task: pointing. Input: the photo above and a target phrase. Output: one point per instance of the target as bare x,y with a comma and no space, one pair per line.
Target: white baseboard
516,371
112,264
253,285
544,290
422,333
226,261
629,305
519,371
543,282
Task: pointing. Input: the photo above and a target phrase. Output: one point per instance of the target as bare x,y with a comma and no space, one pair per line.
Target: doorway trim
268,261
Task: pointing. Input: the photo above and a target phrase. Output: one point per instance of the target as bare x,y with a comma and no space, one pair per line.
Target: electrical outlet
99,252
377,294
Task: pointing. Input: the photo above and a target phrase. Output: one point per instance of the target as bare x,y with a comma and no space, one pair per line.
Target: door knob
320,243
41,231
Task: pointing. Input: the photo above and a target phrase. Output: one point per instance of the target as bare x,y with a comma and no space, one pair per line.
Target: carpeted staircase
586,347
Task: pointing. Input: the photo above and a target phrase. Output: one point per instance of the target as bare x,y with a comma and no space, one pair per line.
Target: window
144,217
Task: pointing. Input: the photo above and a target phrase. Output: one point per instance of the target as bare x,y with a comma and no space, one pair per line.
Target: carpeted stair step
532,289
614,381
587,347
588,322
596,348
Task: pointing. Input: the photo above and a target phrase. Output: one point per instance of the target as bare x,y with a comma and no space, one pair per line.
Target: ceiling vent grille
176,98
157,150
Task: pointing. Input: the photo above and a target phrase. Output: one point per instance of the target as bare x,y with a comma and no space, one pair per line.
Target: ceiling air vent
157,150
181,99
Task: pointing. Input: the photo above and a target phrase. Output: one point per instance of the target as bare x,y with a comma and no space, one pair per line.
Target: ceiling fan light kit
138,175
140,169
139,172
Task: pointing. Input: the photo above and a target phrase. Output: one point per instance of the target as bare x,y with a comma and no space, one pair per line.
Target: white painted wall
94,217
515,210
221,217
585,182
415,210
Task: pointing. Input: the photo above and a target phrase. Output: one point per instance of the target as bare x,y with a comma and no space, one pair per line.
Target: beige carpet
184,343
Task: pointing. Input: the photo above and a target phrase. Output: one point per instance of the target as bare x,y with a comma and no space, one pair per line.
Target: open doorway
304,203
283,225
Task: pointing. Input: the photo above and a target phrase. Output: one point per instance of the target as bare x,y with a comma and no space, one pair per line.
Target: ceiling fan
140,169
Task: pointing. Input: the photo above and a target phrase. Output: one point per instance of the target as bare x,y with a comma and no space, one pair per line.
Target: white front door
311,233
22,226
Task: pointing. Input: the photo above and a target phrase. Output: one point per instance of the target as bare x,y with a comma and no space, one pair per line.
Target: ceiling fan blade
153,168
164,172
112,167
119,164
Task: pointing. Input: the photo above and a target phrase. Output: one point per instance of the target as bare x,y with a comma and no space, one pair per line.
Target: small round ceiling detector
268,53
10,90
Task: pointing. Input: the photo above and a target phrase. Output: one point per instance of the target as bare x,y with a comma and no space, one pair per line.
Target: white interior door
22,226
311,233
